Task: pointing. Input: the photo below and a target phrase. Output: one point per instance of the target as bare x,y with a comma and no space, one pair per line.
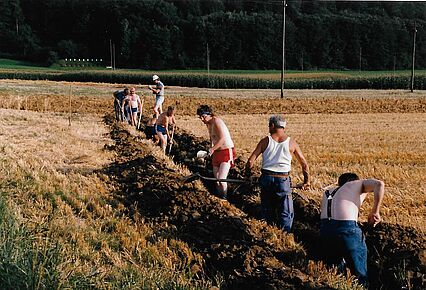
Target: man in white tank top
222,150
342,239
275,183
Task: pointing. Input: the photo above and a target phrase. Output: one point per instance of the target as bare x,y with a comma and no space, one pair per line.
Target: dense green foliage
164,34
399,81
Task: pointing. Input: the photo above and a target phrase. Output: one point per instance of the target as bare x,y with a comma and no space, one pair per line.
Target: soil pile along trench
396,253
248,253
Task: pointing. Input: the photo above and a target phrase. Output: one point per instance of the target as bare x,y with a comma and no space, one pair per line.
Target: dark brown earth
230,236
397,254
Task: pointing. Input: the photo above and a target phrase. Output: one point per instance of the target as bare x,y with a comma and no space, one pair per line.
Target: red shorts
224,155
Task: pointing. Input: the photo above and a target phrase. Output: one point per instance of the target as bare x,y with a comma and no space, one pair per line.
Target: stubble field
377,134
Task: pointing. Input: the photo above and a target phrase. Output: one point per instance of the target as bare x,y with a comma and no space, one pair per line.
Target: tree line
231,34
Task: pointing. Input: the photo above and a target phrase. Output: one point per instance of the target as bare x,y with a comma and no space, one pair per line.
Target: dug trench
396,253
230,235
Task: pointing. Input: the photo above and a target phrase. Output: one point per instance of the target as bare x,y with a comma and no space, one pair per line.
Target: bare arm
167,128
260,148
302,160
123,102
378,187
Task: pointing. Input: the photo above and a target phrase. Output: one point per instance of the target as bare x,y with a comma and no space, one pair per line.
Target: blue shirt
120,95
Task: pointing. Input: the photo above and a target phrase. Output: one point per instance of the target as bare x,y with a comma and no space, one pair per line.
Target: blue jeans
343,243
276,201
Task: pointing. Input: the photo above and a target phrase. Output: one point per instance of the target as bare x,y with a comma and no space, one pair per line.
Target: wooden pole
283,55
414,58
69,108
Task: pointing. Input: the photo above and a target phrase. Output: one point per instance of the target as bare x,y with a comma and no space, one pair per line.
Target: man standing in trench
343,243
275,183
222,150
162,126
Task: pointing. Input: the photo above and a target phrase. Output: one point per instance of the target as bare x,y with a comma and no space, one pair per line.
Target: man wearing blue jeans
277,150
343,243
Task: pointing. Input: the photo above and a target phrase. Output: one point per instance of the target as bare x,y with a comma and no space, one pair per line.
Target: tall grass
225,82
24,263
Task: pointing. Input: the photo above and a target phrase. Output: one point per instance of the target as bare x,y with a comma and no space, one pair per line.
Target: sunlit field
387,146
376,134
63,227
55,143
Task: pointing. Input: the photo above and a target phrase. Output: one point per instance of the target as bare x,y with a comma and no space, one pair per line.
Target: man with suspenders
342,239
275,183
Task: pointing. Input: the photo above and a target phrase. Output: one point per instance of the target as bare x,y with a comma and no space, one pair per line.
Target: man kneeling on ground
342,239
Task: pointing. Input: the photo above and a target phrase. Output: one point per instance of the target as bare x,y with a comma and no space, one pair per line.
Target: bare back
346,201
218,130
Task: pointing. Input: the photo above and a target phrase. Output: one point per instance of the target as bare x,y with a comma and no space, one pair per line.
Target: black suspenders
329,199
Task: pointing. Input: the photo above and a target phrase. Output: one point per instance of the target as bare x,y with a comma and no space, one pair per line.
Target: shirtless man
222,150
162,124
159,94
277,151
342,239
135,104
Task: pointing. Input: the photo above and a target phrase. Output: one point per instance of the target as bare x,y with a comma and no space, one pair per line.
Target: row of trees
160,34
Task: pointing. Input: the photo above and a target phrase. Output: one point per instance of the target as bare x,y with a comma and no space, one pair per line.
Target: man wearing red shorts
222,150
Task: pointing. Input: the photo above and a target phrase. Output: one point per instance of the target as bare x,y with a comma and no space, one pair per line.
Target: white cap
155,77
278,121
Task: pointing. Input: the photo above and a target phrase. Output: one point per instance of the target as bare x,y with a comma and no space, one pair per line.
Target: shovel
171,139
197,176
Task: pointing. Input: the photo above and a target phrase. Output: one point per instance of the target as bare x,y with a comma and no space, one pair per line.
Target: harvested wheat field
103,208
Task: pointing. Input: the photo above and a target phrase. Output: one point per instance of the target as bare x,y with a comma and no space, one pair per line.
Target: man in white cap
275,183
159,95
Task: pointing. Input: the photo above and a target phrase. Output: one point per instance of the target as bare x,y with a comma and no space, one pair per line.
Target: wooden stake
69,116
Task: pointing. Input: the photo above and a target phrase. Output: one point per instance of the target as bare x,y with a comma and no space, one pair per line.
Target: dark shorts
134,110
149,132
160,129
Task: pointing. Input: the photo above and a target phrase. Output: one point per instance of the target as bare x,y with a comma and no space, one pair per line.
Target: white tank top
277,156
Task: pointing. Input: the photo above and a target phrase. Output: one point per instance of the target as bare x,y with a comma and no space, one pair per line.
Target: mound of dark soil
248,253
397,253
231,238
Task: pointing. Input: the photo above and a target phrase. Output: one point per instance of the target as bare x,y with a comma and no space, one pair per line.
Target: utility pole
110,51
414,57
208,64
17,26
394,64
283,56
113,54
360,58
